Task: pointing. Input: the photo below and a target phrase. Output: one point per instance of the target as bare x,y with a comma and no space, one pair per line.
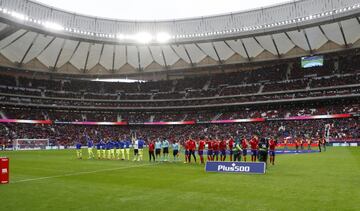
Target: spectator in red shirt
151,151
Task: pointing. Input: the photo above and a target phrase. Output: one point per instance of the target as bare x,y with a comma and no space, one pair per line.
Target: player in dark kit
222,147
201,150
272,145
209,149
321,141
263,150
254,142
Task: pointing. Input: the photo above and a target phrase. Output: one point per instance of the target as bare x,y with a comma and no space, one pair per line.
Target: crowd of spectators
63,134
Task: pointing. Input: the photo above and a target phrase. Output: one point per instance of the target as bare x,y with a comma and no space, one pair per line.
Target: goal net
30,144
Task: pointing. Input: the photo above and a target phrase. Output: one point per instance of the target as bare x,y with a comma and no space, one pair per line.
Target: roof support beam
73,53
175,52
307,41
227,44
9,30
46,46
59,54
87,57
101,53
113,60
139,60
216,52
28,49
358,19
187,53
246,52
343,35
276,48
323,33
163,56
287,35
16,39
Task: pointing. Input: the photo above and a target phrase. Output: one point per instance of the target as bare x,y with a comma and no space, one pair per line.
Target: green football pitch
56,180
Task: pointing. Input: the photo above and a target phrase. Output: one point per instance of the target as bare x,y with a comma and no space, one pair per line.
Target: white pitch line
79,173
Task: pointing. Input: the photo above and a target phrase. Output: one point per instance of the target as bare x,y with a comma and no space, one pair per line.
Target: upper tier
39,38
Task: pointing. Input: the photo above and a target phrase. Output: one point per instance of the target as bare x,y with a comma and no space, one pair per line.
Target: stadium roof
38,37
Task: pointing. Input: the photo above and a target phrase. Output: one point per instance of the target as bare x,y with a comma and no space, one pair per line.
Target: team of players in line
217,150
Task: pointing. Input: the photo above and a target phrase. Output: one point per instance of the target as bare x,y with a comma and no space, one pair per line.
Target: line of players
217,150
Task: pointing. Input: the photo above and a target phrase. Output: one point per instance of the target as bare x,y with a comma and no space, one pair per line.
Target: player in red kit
272,145
222,147
187,150
254,142
231,146
215,145
201,150
244,146
192,148
210,149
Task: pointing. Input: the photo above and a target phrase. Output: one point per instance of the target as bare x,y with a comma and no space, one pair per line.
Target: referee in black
263,150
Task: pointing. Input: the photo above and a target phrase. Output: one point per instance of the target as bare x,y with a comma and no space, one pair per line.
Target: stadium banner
92,123
171,123
236,167
331,116
25,121
238,120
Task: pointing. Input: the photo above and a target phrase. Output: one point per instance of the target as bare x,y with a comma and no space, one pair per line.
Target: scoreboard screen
312,61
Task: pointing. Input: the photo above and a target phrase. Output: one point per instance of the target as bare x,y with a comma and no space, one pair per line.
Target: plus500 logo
233,168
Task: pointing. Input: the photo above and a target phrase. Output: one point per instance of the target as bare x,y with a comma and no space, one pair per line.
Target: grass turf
55,180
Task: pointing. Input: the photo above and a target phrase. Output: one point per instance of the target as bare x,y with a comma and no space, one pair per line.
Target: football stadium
179,105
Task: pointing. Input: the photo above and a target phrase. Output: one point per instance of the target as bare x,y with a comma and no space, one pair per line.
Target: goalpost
30,144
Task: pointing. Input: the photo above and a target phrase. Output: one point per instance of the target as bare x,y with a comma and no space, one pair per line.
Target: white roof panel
106,59
223,50
49,55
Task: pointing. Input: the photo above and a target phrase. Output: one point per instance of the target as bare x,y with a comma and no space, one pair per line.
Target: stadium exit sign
236,167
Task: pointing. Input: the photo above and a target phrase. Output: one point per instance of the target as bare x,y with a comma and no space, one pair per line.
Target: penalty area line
79,173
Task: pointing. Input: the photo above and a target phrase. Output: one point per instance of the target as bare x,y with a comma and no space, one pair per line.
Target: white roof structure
37,37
